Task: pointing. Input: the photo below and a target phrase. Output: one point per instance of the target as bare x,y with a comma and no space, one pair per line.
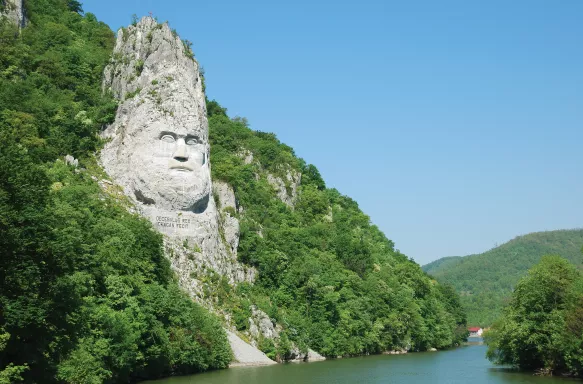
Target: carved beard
172,190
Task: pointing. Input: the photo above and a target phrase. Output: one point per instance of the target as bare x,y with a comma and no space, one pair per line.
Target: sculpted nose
181,153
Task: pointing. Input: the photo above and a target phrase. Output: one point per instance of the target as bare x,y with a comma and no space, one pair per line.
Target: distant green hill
443,263
485,281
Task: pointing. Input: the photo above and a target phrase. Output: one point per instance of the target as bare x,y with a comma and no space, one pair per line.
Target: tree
75,6
533,331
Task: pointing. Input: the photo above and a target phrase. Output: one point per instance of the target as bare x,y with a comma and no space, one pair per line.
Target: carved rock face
159,149
170,166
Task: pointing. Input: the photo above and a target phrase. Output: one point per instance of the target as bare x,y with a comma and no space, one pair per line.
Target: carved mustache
180,166
182,160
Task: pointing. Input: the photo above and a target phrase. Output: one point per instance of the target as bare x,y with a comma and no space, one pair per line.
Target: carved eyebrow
164,133
193,137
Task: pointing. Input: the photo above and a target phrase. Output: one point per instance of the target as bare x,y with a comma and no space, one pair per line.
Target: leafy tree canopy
542,326
86,295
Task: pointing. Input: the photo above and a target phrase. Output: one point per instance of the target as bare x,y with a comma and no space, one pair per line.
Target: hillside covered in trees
86,293
333,278
485,281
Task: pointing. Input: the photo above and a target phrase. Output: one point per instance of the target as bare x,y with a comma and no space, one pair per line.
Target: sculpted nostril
180,154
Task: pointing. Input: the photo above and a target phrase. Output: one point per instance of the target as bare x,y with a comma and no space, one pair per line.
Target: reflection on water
474,341
462,365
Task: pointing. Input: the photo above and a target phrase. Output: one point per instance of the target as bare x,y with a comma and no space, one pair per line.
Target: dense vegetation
330,277
542,327
86,295
485,281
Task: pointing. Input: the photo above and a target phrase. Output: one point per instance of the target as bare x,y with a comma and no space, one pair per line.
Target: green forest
333,278
486,281
541,327
86,293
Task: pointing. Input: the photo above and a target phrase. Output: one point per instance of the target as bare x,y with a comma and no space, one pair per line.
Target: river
463,365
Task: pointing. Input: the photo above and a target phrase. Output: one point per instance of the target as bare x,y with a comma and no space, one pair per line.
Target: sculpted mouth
182,168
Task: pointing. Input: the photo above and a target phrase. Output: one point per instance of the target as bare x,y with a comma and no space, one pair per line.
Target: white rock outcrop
286,189
15,12
314,356
70,160
158,148
228,208
158,151
247,156
309,357
260,325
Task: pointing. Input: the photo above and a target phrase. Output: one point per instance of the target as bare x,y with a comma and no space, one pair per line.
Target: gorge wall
288,264
158,152
257,238
15,12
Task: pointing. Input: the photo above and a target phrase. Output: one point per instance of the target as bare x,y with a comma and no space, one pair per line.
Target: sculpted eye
191,141
167,138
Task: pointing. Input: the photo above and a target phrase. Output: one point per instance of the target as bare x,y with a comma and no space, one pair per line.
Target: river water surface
463,365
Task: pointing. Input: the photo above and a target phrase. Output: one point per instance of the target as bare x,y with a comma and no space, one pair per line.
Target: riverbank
459,365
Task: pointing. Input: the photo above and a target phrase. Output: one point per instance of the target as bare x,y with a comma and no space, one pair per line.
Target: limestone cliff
162,113
157,150
14,11
287,187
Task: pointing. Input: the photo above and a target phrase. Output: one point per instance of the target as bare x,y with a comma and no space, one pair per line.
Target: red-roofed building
475,331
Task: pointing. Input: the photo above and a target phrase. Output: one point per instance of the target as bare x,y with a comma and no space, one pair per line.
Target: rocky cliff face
287,187
228,209
158,152
14,11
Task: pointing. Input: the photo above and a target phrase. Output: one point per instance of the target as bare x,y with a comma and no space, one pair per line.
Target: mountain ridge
94,292
486,280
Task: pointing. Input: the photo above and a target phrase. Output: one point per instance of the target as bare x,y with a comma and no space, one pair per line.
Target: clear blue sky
456,125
